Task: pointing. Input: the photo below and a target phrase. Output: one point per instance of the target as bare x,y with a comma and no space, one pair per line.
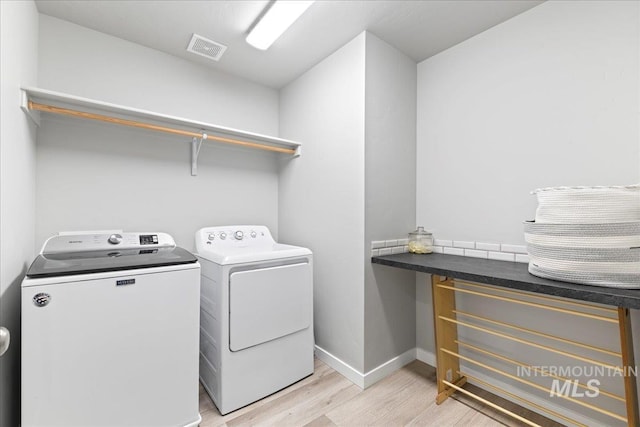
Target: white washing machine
256,318
110,332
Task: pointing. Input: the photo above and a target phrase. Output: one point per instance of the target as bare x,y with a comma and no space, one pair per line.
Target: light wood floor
405,398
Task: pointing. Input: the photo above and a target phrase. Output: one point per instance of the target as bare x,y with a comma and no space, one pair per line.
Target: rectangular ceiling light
278,18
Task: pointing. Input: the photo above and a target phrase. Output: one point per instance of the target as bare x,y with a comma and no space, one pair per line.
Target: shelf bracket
196,144
24,104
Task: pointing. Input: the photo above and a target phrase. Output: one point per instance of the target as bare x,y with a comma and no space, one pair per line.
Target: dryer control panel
233,236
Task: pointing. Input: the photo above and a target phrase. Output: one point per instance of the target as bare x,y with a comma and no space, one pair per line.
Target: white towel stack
587,235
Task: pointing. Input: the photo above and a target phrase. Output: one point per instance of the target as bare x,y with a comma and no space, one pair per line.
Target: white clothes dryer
256,314
110,332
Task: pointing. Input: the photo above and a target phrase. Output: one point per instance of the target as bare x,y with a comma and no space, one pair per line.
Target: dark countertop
507,274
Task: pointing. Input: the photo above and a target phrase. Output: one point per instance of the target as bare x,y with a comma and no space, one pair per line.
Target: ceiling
420,29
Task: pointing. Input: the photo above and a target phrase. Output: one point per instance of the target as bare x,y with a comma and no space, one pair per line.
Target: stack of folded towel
587,235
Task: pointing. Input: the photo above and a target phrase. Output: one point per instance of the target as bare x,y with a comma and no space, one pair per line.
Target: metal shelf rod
533,344
539,297
539,334
531,304
491,404
522,399
531,384
148,126
535,369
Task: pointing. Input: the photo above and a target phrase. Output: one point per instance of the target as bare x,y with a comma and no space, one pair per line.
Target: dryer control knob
223,235
238,235
253,234
211,236
115,239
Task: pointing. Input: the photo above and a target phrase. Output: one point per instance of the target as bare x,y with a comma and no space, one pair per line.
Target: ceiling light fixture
275,21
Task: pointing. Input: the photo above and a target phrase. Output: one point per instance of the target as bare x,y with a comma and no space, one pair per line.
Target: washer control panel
115,239
233,236
104,240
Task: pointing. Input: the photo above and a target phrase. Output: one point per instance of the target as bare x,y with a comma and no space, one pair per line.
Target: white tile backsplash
516,249
486,250
502,256
389,247
475,253
488,246
463,244
377,244
391,243
453,251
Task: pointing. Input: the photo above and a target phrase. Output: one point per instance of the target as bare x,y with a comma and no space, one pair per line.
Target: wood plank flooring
326,398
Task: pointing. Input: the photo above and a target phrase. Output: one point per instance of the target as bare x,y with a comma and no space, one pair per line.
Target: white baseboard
389,367
340,366
373,376
426,356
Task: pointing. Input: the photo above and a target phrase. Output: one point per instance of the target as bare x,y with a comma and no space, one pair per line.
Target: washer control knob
115,239
223,235
238,235
211,236
253,234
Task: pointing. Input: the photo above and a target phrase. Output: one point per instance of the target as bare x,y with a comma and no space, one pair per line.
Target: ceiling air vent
205,47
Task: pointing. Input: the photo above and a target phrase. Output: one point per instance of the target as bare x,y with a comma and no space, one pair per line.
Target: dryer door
269,303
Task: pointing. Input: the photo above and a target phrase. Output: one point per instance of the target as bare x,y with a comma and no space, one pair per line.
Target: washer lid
244,254
68,263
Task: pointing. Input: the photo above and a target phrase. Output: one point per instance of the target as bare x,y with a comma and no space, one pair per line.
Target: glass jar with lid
420,241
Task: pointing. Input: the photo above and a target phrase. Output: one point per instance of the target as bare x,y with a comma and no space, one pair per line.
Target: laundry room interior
448,121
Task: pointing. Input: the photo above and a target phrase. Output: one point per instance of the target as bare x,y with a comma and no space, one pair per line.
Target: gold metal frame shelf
450,377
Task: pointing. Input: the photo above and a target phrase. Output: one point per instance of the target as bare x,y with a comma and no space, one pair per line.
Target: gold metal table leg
446,335
629,366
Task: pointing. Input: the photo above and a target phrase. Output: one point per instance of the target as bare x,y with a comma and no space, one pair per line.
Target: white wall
18,66
83,62
321,202
355,182
100,176
390,189
547,98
